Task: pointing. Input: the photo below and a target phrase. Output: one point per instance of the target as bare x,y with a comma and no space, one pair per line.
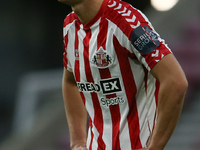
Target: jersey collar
98,15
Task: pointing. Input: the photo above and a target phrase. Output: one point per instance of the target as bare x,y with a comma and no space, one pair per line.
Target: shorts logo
102,59
106,86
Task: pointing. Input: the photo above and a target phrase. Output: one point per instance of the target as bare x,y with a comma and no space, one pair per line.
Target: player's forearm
76,114
170,102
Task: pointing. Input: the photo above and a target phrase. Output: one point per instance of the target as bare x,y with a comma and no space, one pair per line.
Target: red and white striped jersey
111,58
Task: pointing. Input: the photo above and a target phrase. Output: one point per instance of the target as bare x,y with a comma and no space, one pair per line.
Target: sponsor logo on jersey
88,87
102,59
110,86
111,101
144,39
106,86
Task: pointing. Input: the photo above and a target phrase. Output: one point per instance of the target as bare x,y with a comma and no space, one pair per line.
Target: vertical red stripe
145,78
156,91
65,43
98,117
156,99
92,135
76,54
130,89
105,73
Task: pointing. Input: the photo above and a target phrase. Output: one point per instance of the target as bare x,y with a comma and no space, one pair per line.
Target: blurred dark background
31,49
30,40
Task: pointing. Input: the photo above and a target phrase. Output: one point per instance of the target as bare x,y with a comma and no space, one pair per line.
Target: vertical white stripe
93,50
152,101
89,138
81,35
107,124
124,136
96,135
141,100
125,142
88,103
70,47
107,134
66,28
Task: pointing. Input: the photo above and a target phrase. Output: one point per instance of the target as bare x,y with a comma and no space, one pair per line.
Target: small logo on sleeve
144,39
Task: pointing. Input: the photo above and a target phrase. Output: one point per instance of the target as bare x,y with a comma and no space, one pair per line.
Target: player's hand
79,147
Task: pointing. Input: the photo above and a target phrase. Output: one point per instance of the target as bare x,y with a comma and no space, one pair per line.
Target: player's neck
87,10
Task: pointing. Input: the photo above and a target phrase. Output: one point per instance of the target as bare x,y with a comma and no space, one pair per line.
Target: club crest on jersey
102,59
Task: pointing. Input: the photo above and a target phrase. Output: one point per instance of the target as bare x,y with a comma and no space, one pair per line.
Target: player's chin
62,1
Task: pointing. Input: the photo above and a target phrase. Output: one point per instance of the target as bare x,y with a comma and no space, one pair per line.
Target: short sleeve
147,45
66,63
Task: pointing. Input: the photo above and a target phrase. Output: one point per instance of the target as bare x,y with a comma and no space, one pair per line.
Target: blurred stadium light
163,5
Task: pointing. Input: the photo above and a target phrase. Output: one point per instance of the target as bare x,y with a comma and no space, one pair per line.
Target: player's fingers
80,148
83,148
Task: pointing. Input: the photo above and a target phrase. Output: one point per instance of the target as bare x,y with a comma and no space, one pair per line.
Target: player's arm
173,86
75,111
